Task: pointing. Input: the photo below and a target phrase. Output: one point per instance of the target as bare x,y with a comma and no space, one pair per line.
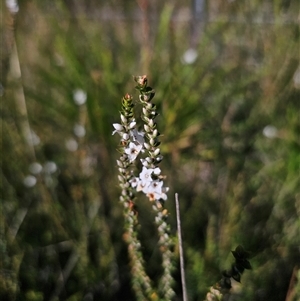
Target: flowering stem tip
139,140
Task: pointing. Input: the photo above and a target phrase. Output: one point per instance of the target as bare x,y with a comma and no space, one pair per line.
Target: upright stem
182,271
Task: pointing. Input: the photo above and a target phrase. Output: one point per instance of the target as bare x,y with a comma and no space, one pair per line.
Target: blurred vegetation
230,134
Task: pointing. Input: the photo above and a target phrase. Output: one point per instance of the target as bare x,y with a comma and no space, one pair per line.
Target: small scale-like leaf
247,265
225,283
237,277
226,274
238,267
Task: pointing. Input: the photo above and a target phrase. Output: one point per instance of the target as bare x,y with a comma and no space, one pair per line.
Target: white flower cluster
136,139
149,183
149,180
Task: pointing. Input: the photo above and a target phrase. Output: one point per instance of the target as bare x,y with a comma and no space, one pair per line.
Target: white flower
134,182
35,168
157,196
12,6
144,162
137,136
154,187
79,97
132,151
71,145
156,191
157,171
270,131
190,56
145,176
118,129
50,167
125,136
79,130
29,181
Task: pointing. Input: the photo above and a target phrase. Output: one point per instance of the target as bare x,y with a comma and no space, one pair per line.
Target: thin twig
182,272
291,294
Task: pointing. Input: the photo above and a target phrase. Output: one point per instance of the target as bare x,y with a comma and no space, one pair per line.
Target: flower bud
159,159
152,142
146,119
149,160
141,81
147,128
147,146
150,122
132,124
127,96
145,112
144,163
123,119
125,136
149,106
156,152
118,127
155,133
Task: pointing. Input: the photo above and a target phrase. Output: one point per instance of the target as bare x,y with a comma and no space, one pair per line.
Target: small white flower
137,136
157,171
190,56
35,168
79,97
79,130
154,187
50,167
156,191
12,6
118,129
132,151
125,136
29,181
145,163
270,131
71,145
141,186
134,182
155,196
145,176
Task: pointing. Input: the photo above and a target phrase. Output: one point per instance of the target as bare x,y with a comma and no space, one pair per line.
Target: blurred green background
227,81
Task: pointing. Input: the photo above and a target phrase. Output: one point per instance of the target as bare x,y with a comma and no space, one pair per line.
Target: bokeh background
227,81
